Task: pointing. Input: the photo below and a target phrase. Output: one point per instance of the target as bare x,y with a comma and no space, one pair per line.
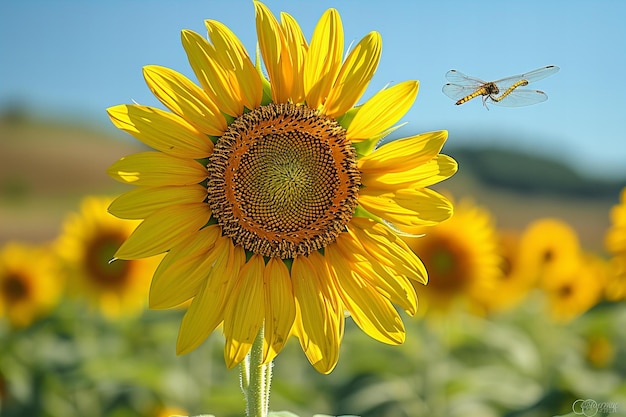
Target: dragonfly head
491,88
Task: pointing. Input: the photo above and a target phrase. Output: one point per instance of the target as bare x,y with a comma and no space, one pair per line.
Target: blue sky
75,59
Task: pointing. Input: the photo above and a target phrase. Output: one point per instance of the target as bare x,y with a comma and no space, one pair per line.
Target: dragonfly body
503,92
510,90
487,90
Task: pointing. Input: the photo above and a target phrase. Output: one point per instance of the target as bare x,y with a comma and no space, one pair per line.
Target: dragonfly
503,92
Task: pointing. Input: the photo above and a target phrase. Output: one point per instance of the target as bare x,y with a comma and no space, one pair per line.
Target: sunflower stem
256,379
244,375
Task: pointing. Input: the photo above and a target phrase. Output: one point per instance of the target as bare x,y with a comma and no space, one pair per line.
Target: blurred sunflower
171,412
512,284
30,283
573,287
268,194
615,242
547,244
462,259
87,243
600,350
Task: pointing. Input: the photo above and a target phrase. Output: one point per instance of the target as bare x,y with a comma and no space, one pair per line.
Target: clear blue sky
74,59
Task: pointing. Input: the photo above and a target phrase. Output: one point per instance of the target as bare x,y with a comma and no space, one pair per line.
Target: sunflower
87,243
573,287
600,350
615,242
462,259
269,195
30,283
171,412
512,284
546,245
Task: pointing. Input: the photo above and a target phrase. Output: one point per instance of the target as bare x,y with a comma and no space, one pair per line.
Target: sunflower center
99,251
283,181
447,265
14,289
565,291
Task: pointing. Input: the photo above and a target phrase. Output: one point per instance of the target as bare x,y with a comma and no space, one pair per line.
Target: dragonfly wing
532,76
540,73
457,77
521,97
457,92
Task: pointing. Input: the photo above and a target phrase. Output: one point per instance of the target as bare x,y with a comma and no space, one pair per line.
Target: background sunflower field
524,315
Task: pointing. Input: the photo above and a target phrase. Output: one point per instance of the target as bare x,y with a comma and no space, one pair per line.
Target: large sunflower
268,196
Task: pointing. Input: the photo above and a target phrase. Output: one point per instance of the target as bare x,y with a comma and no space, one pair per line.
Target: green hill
525,173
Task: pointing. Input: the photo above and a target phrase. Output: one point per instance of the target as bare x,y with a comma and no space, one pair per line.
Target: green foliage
516,364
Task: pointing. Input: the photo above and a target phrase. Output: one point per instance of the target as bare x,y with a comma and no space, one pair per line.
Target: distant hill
46,168
525,173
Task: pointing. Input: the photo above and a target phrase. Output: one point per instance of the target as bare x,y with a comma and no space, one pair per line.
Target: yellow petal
354,76
403,154
323,59
298,47
370,311
140,202
197,244
320,319
386,247
213,78
381,111
390,284
390,281
280,308
206,311
164,229
245,80
161,130
155,169
185,99
436,170
182,271
244,313
407,208
615,238
275,53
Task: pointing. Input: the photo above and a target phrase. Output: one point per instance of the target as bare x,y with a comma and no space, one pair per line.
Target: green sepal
364,147
267,87
367,146
361,212
288,262
345,119
229,120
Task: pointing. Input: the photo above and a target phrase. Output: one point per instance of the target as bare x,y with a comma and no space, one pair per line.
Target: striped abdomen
486,89
520,83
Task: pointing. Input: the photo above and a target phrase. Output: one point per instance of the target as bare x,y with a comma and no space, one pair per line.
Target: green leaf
281,414
326,415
